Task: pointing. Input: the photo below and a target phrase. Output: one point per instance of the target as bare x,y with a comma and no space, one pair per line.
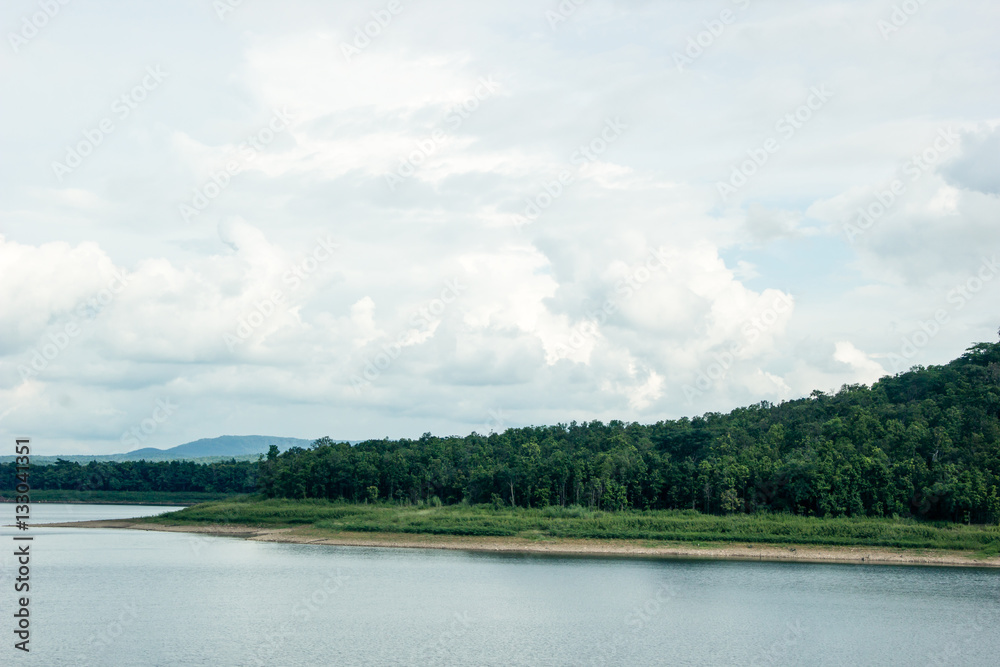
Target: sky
379,219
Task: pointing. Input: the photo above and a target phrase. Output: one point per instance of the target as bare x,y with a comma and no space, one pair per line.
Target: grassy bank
557,522
119,497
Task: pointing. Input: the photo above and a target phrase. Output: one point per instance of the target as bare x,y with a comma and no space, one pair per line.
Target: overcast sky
375,219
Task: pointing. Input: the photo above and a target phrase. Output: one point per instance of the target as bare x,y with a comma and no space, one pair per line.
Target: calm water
107,597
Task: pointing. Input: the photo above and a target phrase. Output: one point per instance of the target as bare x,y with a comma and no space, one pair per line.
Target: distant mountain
226,445
206,450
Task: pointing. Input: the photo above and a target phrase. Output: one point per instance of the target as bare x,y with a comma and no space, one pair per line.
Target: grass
575,522
120,497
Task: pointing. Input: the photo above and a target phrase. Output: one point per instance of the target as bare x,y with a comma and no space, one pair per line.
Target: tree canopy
923,443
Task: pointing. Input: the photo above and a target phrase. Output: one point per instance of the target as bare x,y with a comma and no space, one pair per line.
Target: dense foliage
165,476
924,443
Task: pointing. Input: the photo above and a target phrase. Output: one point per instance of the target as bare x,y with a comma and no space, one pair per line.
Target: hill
925,443
226,446
205,450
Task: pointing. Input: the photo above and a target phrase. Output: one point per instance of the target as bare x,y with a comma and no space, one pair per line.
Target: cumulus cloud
449,229
869,369
978,166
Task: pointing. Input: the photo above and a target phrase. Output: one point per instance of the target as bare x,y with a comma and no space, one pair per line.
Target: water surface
121,597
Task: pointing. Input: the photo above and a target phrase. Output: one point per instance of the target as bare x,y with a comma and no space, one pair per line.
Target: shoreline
737,551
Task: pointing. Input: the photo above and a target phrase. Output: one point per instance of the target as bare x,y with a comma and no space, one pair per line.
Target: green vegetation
579,522
918,445
119,477
37,460
923,444
121,497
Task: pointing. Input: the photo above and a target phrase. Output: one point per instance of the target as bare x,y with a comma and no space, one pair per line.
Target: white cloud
768,277
978,167
868,369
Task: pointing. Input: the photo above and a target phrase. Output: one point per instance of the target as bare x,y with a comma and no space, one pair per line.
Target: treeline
924,443
169,476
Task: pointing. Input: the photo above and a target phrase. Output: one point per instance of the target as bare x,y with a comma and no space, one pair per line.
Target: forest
144,476
924,444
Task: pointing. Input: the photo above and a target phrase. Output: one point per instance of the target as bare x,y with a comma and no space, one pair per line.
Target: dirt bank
516,545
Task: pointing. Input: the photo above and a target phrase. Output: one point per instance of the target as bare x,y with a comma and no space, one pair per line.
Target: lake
122,597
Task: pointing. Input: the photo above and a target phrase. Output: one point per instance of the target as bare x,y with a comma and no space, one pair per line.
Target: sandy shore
514,545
